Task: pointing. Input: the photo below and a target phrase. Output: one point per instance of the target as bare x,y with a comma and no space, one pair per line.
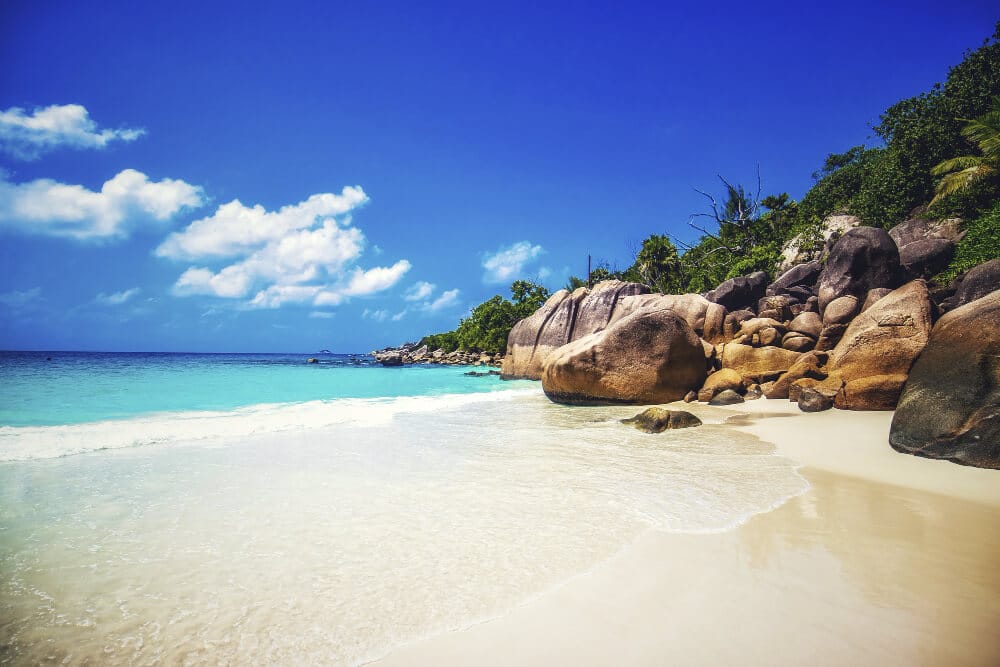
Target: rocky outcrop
741,292
649,356
806,247
978,282
926,246
758,364
719,381
706,318
950,405
563,318
797,281
812,365
658,420
863,259
726,397
879,347
409,353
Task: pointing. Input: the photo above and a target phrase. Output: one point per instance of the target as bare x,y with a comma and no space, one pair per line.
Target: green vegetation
487,327
927,164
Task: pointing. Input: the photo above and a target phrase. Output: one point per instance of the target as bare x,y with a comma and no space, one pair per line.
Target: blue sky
204,177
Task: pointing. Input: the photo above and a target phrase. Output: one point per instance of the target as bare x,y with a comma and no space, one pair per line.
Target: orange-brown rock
721,380
883,341
758,363
649,356
810,365
565,317
706,318
874,392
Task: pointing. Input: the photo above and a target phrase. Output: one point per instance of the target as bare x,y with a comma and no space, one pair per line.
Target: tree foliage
488,325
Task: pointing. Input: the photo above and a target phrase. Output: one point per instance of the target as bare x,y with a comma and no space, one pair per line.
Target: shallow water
333,531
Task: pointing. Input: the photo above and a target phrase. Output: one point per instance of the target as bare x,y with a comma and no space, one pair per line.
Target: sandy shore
888,559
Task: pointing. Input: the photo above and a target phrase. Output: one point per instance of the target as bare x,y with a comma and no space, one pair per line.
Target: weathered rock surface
802,276
657,420
719,381
811,365
864,258
950,406
741,292
759,364
978,282
799,248
926,246
807,323
814,400
879,347
563,318
873,296
726,397
841,310
649,356
706,318
923,259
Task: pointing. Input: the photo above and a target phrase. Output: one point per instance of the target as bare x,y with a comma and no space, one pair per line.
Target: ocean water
243,509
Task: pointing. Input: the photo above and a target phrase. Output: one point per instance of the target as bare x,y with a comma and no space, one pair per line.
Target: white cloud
302,253
376,315
419,291
506,264
374,280
126,201
235,229
322,315
116,298
400,315
447,299
21,297
28,136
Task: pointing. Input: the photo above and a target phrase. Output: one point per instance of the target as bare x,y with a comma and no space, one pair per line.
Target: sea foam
24,443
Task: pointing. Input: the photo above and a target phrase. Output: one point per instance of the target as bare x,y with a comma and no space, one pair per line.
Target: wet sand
888,559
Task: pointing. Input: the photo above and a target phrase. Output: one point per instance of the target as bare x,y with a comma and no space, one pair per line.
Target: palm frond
959,180
984,131
957,164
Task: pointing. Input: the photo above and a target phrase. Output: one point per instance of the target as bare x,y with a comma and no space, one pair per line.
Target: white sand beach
888,559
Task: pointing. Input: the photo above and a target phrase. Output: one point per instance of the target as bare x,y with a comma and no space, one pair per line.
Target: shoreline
886,558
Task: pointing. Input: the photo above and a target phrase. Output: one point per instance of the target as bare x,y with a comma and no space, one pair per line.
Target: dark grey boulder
726,397
812,399
864,258
978,282
926,257
799,277
657,420
741,292
950,405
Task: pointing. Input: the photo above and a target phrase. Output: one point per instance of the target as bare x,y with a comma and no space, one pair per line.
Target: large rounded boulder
864,258
649,356
563,318
741,292
950,406
879,347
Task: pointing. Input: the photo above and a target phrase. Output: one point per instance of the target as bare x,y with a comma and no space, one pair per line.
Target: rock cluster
841,328
410,353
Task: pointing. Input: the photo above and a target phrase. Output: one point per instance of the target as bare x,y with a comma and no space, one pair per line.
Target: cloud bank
302,253
27,136
123,203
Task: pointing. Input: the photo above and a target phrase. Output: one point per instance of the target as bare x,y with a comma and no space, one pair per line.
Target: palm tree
961,172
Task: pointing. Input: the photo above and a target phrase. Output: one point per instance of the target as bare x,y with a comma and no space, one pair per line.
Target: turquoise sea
256,509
